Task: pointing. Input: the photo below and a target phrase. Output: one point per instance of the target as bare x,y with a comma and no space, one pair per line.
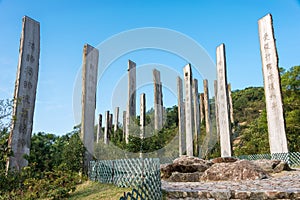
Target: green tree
290,83
253,137
73,152
42,151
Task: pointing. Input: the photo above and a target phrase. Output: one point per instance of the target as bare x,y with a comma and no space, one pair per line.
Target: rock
184,164
185,177
189,160
234,171
272,166
224,160
165,171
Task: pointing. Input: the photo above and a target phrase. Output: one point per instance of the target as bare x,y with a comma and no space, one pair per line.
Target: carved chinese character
266,46
274,105
24,113
272,96
266,37
221,79
23,128
29,85
271,77
25,84
268,56
30,58
29,70
271,86
26,99
31,45
269,66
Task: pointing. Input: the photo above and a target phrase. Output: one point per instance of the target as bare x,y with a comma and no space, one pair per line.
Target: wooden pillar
158,105
222,99
131,105
201,107
196,116
207,108
181,120
269,57
124,125
89,89
25,94
116,122
230,103
216,109
142,115
187,71
106,129
99,129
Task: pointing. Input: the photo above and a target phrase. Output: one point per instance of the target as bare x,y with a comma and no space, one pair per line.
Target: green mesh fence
141,174
292,158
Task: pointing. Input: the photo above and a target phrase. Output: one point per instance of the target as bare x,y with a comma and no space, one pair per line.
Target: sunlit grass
95,190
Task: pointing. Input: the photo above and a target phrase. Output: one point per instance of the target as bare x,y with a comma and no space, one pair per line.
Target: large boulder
183,166
272,166
185,177
224,160
190,160
234,171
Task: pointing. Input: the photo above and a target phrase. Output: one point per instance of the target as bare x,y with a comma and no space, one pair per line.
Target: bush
28,184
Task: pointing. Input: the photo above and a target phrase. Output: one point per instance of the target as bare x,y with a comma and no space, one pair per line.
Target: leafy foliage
158,140
28,184
290,81
252,136
54,163
248,103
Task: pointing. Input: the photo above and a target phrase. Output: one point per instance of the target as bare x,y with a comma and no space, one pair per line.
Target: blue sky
67,25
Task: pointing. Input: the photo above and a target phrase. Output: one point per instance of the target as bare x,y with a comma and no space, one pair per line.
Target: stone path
285,185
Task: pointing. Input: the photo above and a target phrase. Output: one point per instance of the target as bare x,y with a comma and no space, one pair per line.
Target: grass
95,190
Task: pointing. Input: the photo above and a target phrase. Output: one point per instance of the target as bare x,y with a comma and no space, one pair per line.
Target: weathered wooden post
181,119
89,88
196,116
187,71
142,115
124,125
99,129
131,105
216,109
106,129
201,99
222,99
158,103
116,122
25,94
110,127
269,57
230,103
207,108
